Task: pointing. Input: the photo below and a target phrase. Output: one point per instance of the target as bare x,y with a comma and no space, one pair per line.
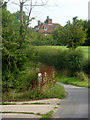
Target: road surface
75,105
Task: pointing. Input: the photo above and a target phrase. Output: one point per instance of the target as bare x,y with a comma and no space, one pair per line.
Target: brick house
47,27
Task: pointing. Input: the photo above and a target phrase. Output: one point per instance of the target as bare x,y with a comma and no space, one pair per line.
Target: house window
55,27
45,28
37,28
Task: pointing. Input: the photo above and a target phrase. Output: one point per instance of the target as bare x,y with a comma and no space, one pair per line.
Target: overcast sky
60,11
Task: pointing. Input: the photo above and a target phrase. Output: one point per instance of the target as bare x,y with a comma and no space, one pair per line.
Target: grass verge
47,116
20,112
44,116
36,103
72,81
57,91
7,103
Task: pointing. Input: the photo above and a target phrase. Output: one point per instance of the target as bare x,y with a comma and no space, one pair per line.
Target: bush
26,80
71,60
74,61
82,76
62,59
86,66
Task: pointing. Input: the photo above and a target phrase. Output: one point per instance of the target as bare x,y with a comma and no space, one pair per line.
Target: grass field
85,49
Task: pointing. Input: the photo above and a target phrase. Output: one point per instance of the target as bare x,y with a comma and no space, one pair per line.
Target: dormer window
45,28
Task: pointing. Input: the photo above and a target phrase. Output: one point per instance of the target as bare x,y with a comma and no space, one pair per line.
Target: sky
60,11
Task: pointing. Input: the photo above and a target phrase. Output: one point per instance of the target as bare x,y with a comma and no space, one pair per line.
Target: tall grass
56,91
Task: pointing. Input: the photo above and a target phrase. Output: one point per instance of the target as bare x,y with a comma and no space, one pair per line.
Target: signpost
39,79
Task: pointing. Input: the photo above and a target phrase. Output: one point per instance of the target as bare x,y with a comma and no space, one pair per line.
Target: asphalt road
75,105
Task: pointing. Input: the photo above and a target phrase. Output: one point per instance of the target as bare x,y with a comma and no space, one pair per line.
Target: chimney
39,22
49,21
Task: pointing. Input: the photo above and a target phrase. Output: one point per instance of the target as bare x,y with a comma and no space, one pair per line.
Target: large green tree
72,34
59,36
75,35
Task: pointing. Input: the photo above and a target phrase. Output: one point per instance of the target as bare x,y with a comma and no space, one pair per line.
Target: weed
36,103
56,91
7,103
47,115
38,114
55,107
20,112
58,103
82,76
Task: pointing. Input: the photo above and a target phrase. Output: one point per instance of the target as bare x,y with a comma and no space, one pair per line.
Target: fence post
39,79
45,74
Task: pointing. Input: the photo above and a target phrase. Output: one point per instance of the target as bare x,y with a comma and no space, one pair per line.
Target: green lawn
85,49
72,81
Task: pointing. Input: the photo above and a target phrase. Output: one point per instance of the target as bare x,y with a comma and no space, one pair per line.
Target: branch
35,5
12,43
15,3
43,4
25,1
3,3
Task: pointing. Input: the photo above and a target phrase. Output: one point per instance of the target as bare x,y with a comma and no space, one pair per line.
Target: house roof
49,27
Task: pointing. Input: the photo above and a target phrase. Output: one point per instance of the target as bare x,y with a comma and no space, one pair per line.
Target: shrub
74,61
86,66
62,59
26,80
9,81
82,76
71,60
55,92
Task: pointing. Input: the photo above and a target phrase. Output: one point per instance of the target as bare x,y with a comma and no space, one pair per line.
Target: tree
59,36
17,16
24,4
87,42
75,34
72,34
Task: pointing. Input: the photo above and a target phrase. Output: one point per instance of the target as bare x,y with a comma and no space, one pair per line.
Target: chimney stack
49,21
39,22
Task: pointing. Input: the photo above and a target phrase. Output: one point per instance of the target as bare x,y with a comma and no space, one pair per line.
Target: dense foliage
61,59
20,60
18,73
72,34
12,57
